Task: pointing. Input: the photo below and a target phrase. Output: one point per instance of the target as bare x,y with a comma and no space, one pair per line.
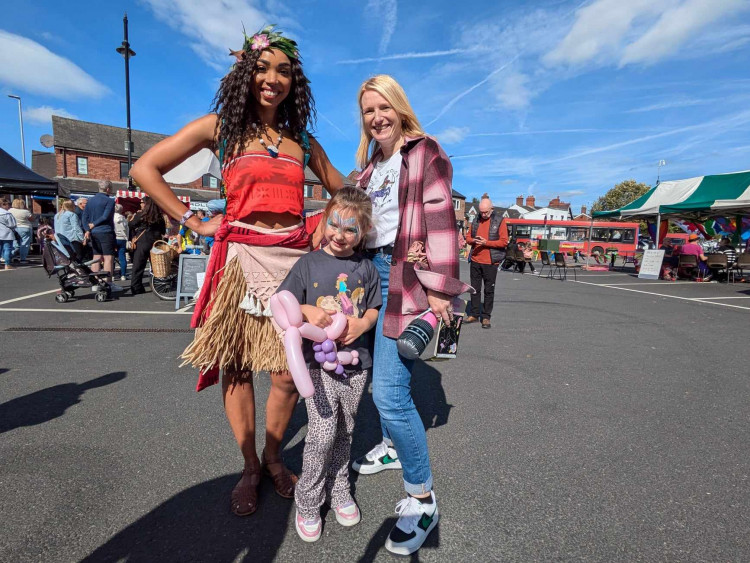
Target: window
210,181
578,233
308,190
628,235
558,233
600,234
457,204
326,195
124,170
82,165
522,231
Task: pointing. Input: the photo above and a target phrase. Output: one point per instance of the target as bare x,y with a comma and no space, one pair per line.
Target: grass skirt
231,339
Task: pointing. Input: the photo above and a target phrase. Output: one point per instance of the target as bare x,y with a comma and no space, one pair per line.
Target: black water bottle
417,336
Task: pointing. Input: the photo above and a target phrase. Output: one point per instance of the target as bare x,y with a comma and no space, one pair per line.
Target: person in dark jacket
98,222
147,226
488,238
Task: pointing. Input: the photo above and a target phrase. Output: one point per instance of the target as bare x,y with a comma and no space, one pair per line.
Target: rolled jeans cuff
421,489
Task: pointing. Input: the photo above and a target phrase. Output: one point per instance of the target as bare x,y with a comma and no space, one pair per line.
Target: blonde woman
23,227
408,178
68,225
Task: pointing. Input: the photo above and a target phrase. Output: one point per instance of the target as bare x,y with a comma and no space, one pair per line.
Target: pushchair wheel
62,297
71,293
101,296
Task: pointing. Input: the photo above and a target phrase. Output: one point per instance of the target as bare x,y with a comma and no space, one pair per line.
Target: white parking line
734,297
663,284
29,296
94,311
691,299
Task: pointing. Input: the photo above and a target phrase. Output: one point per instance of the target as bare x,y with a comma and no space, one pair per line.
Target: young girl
336,278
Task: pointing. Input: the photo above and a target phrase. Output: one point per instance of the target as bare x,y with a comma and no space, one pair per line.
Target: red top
256,181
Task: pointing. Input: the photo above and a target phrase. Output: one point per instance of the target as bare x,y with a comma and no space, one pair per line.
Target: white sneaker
348,514
415,522
308,530
377,459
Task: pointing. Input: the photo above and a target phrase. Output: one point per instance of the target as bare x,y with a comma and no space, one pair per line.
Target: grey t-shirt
350,285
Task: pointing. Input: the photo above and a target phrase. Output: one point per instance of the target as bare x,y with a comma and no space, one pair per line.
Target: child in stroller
59,258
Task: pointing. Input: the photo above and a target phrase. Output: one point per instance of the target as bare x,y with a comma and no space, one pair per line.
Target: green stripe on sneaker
425,522
386,459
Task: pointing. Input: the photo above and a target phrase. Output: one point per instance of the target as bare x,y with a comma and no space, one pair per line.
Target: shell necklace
273,150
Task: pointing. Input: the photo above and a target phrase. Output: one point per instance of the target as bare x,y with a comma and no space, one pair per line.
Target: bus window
578,233
616,235
628,235
521,231
558,233
537,232
600,234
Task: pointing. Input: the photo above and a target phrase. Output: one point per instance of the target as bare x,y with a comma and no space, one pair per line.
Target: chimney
530,201
519,200
583,210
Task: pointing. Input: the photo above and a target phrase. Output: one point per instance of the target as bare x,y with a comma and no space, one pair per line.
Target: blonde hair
67,205
394,94
359,204
18,203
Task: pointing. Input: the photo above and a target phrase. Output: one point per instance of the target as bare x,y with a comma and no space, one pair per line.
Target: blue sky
540,97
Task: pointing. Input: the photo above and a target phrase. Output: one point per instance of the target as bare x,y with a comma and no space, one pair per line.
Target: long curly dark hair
151,213
236,106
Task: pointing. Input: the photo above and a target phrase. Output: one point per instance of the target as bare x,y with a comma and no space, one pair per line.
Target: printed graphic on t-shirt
381,195
345,300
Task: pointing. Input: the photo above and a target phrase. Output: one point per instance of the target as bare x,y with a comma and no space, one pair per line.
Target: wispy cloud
213,27
671,104
404,56
637,31
469,90
453,135
385,12
43,115
554,132
676,26
30,67
332,124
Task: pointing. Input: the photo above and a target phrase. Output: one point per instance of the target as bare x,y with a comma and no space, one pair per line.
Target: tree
475,202
620,195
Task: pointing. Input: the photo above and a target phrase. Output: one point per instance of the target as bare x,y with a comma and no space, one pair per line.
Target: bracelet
188,214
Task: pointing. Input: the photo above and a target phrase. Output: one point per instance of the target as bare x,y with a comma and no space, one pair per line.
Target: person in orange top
487,237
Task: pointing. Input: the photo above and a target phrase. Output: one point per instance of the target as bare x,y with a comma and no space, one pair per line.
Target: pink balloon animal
288,315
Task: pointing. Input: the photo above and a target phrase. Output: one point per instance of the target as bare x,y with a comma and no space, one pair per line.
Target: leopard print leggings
325,461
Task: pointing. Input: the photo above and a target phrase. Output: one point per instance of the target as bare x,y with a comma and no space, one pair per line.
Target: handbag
131,244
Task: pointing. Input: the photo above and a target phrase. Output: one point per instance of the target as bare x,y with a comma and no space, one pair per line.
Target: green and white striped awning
702,195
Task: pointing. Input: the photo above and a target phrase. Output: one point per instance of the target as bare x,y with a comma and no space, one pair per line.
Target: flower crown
267,38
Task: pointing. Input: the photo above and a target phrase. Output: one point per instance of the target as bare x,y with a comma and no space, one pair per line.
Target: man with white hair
488,237
99,222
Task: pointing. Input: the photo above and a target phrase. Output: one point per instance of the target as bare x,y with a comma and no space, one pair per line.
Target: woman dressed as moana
263,110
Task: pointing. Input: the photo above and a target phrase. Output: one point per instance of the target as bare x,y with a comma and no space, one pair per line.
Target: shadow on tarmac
45,405
196,524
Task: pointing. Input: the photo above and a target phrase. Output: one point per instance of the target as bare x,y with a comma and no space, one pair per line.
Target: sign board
651,264
190,276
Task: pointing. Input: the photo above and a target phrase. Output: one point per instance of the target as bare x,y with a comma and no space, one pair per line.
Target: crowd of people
703,271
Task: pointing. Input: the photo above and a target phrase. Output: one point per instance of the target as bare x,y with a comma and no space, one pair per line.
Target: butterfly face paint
342,234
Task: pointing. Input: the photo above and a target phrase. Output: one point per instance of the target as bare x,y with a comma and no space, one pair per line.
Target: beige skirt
239,334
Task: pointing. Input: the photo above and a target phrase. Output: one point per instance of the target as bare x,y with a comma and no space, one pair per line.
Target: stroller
60,259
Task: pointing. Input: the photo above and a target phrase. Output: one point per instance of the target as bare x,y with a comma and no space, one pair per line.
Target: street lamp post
20,119
127,52
658,170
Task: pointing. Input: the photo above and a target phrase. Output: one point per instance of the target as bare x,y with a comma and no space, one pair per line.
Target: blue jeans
391,390
23,248
121,257
6,248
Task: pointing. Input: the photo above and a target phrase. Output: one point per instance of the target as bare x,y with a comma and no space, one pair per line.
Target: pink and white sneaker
348,514
308,530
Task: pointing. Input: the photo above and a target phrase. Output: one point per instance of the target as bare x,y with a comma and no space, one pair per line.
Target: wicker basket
162,255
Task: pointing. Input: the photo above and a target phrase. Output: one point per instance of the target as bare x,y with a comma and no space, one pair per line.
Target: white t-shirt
22,217
383,191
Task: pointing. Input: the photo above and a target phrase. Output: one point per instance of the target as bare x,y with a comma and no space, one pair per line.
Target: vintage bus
574,235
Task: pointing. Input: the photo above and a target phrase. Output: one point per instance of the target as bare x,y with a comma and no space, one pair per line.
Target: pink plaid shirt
426,211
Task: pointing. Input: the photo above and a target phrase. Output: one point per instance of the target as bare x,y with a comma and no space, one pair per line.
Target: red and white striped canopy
141,195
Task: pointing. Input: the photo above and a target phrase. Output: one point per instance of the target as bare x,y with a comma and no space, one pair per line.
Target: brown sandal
283,481
245,493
